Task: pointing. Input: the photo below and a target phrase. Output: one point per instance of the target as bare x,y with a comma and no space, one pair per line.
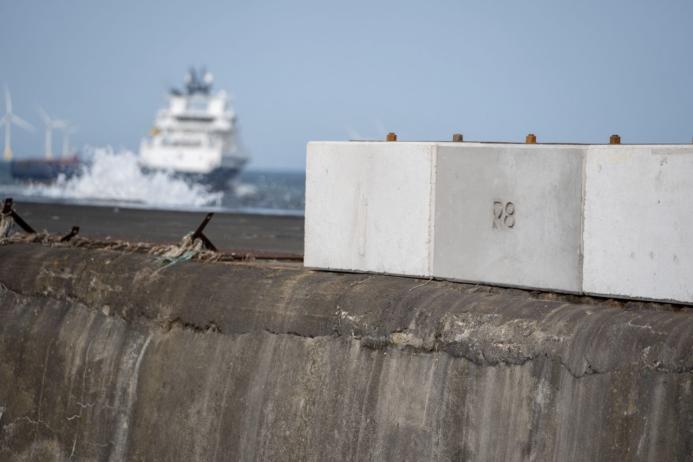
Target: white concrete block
606,220
509,214
638,229
369,207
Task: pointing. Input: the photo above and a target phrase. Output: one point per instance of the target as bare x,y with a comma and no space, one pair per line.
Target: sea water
114,178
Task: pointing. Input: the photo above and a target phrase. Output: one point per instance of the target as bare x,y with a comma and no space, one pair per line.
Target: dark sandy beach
226,230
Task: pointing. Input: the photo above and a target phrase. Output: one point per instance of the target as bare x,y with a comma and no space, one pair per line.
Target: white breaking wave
243,190
117,177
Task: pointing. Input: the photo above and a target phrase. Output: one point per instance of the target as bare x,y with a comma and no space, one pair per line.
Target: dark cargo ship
44,169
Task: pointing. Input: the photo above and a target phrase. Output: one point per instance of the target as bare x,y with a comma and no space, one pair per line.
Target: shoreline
107,203
281,233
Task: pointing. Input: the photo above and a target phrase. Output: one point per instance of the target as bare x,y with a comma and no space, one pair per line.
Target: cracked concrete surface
104,357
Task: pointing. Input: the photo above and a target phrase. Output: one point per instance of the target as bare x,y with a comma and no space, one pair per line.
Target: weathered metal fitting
531,138
392,136
199,234
457,137
7,206
614,139
73,232
8,210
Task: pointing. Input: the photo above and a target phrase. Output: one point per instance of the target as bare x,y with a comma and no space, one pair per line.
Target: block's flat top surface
509,143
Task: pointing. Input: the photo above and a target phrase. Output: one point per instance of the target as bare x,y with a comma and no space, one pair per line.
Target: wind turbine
50,125
68,130
7,120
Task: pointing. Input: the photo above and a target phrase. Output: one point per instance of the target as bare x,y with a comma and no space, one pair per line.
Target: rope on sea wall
186,249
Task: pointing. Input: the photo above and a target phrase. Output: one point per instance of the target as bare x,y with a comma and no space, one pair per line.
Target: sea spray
117,177
114,178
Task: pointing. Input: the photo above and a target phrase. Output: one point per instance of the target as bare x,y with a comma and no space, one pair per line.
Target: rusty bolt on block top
531,139
614,139
457,137
392,136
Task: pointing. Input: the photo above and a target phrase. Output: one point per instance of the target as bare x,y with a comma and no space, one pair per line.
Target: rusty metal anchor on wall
9,215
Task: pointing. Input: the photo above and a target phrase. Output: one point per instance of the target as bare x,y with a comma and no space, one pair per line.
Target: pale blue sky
303,70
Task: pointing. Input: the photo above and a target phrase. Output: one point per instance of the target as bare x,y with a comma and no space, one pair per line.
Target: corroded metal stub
199,234
9,214
68,237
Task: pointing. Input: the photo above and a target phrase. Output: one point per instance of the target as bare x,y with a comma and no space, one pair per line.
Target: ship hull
5,176
218,179
43,170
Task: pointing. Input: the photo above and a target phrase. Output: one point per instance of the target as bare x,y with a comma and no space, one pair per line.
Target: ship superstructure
195,136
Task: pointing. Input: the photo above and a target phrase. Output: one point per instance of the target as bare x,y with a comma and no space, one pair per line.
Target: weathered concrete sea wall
109,356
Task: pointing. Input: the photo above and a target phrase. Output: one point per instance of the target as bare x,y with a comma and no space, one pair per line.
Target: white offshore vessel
195,136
